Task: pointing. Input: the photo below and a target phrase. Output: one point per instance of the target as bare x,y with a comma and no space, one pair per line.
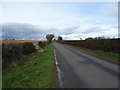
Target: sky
71,20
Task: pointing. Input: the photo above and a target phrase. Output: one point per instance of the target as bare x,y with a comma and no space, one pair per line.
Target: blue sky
72,20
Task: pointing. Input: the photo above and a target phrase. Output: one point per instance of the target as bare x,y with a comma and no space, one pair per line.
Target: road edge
58,71
93,54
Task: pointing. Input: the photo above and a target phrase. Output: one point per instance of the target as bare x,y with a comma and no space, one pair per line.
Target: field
35,42
21,41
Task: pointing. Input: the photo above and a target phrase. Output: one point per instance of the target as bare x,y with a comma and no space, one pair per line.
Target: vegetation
107,45
34,71
109,55
60,38
108,48
49,37
28,48
42,44
13,51
10,53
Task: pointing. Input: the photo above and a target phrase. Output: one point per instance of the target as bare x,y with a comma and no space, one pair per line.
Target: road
81,70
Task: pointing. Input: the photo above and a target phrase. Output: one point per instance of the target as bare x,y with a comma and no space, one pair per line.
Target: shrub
9,53
14,51
41,44
28,48
107,45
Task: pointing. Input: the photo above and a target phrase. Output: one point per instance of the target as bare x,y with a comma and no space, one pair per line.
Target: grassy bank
34,71
108,55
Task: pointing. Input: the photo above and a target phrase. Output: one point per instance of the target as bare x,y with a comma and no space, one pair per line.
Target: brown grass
20,41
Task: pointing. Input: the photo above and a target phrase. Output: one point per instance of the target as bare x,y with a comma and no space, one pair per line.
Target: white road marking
58,71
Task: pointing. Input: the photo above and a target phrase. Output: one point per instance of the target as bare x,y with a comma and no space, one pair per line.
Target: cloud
71,20
111,9
96,29
91,30
31,32
20,31
71,37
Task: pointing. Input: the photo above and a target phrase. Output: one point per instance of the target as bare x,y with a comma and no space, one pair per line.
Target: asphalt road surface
81,70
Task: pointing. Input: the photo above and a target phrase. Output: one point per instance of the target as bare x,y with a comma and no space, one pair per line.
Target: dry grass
20,41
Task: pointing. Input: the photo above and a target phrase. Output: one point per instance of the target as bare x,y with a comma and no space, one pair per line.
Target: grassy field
34,71
108,55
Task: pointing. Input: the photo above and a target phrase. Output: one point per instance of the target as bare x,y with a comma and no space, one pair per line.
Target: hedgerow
41,44
107,45
14,51
28,48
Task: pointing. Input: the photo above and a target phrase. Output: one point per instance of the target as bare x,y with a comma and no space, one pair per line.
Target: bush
41,44
9,53
14,51
28,48
107,45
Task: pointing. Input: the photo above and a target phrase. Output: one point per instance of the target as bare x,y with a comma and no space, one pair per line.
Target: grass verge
34,71
108,55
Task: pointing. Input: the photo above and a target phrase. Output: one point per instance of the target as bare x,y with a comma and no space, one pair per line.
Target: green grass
34,71
113,56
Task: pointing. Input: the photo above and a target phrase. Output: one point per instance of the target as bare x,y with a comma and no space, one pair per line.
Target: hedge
107,45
